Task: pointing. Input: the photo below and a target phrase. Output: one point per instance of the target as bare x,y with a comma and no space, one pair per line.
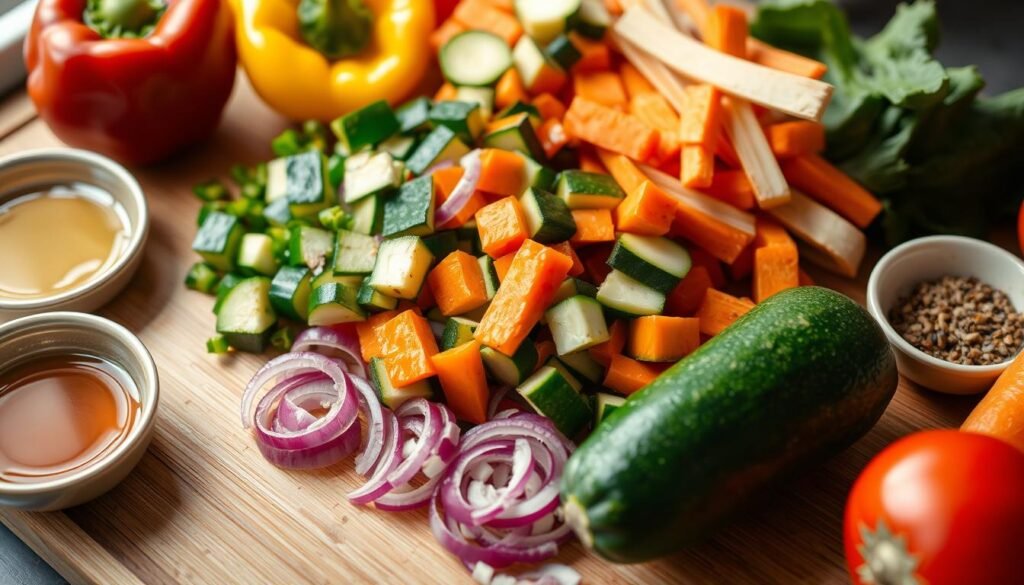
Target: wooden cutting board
204,507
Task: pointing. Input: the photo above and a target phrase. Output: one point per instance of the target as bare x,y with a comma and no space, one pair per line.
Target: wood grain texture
204,507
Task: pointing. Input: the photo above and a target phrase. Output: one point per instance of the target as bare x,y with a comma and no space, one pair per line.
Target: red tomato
1020,227
938,507
443,9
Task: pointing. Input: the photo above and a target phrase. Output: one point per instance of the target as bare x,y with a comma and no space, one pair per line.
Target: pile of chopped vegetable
916,133
558,225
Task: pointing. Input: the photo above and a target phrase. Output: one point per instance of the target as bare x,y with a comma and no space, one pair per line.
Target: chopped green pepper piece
217,344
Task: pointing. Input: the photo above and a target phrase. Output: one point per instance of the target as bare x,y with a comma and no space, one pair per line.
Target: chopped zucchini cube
398,146
562,51
202,277
544,20
491,282
256,255
547,217
591,20
411,211
392,396
310,247
354,253
605,404
657,262
464,118
515,133
531,62
442,243
373,300
277,213
365,127
457,330
577,323
414,115
289,292
582,365
401,267
628,296
477,95
224,287
368,173
368,215
551,395
302,180
571,287
538,175
334,302
245,317
218,240
583,190
510,370
520,107
442,144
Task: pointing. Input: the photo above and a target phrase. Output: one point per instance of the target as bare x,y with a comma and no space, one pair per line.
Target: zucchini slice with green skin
256,255
477,95
332,303
302,180
442,243
289,292
398,146
410,212
218,240
466,119
245,317
551,395
530,61
571,287
605,404
518,135
538,175
329,276
583,190
442,144
401,267
628,296
510,370
562,51
365,127
393,397
583,366
310,247
368,215
657,262
475,58
544,20
570,377
592,19
368,173
373,300
520,107
224,287
577,323
491,282
677,459
457,330
414,115
202,278
354,253
547,217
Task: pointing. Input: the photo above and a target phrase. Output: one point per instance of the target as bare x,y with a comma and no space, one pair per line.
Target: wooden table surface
204,507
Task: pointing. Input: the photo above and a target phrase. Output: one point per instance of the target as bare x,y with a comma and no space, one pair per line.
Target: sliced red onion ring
339,341
377,485
463,190
500,496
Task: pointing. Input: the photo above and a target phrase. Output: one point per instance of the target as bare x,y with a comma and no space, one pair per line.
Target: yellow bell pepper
318,59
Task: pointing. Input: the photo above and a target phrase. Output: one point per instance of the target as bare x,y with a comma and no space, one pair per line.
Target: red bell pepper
132,79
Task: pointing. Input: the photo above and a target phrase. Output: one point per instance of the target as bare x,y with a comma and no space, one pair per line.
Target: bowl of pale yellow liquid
72,228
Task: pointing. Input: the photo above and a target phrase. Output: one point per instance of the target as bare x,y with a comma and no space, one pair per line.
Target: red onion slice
340,341
463,190
377,485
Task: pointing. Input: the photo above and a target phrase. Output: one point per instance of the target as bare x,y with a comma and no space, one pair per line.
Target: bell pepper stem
336,28
123,18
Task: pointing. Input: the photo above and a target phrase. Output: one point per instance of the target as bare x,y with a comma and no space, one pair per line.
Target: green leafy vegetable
907,128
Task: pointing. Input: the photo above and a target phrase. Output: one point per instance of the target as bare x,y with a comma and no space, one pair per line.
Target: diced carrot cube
461,373
646,210
457,283
502,227
593,226
660,338
408,344
627,376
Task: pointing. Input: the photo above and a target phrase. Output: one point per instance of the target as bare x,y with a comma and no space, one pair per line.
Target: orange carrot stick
687,296
509,89
634,81
593,226
628,376
407,344
795,138
1001,412
822,181
726,30
660,338
461,373
603,87
610,129
549,107
719,310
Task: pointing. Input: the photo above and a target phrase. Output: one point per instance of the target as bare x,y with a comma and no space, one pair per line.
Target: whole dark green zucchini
797,379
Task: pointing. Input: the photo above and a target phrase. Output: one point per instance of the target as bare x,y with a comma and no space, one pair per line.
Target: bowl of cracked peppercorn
952,308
